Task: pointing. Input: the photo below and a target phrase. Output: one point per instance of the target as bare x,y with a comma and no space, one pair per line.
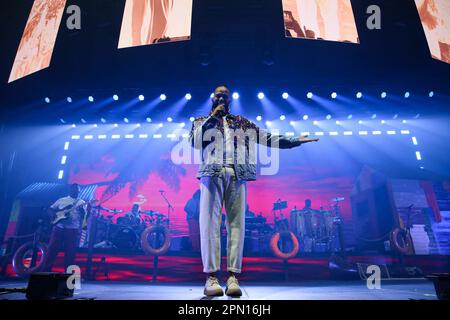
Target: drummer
134,215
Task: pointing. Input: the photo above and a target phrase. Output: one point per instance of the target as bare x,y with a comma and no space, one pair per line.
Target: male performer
66,231
133,217
224,183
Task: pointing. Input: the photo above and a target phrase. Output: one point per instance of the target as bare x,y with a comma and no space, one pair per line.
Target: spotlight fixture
305,117
383,95
115,125
334,95
315,123
148,119
374,116
83,121
169,119
261,95
126,120
91,99
258,118
47,99
115,97
103,120
360,122
309,95
282,117
407,94
431,94
236,96
350,117
359,95
69,100
188,96
191,119
328,117
141,97
285,95
163,97
212,95
338,122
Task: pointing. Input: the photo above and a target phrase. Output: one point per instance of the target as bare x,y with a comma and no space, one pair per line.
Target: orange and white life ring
404,246
155,231
276,249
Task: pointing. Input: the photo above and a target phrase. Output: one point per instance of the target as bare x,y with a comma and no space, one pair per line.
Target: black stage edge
229,309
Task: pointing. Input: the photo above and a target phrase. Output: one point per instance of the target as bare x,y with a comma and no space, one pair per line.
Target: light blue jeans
223,190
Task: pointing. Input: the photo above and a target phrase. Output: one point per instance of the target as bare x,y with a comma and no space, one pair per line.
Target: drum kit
318,230
123,231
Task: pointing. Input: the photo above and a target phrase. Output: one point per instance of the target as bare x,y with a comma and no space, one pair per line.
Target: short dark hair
223,85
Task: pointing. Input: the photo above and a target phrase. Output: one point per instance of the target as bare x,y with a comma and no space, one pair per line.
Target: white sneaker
212,287
233,288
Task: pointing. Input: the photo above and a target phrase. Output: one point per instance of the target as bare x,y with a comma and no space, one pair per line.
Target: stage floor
321,290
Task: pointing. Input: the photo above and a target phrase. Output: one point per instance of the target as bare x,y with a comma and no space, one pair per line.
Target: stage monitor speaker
48,286
441,283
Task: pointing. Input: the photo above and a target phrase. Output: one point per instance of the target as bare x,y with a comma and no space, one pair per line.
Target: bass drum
155,240
125,238
21,261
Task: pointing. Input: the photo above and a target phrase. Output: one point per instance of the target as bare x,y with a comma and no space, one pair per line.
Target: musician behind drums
66,231
133,217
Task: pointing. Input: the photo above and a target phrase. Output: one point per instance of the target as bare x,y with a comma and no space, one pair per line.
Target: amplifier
48,285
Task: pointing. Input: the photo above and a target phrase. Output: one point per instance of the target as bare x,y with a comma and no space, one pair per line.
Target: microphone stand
169,206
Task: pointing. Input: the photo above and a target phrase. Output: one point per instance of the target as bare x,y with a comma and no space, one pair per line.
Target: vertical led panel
331,20
38,39
147,22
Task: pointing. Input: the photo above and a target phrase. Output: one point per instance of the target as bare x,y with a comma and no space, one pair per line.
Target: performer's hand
305,139
219,109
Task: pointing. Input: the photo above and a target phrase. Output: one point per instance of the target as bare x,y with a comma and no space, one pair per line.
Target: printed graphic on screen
38,40
331,20
148,22
435,17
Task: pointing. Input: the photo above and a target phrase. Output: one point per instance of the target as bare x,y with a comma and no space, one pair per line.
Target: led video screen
38,39
147,22
330,20
135,170
435,17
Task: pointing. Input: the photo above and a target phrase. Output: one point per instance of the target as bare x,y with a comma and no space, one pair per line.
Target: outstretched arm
281,141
